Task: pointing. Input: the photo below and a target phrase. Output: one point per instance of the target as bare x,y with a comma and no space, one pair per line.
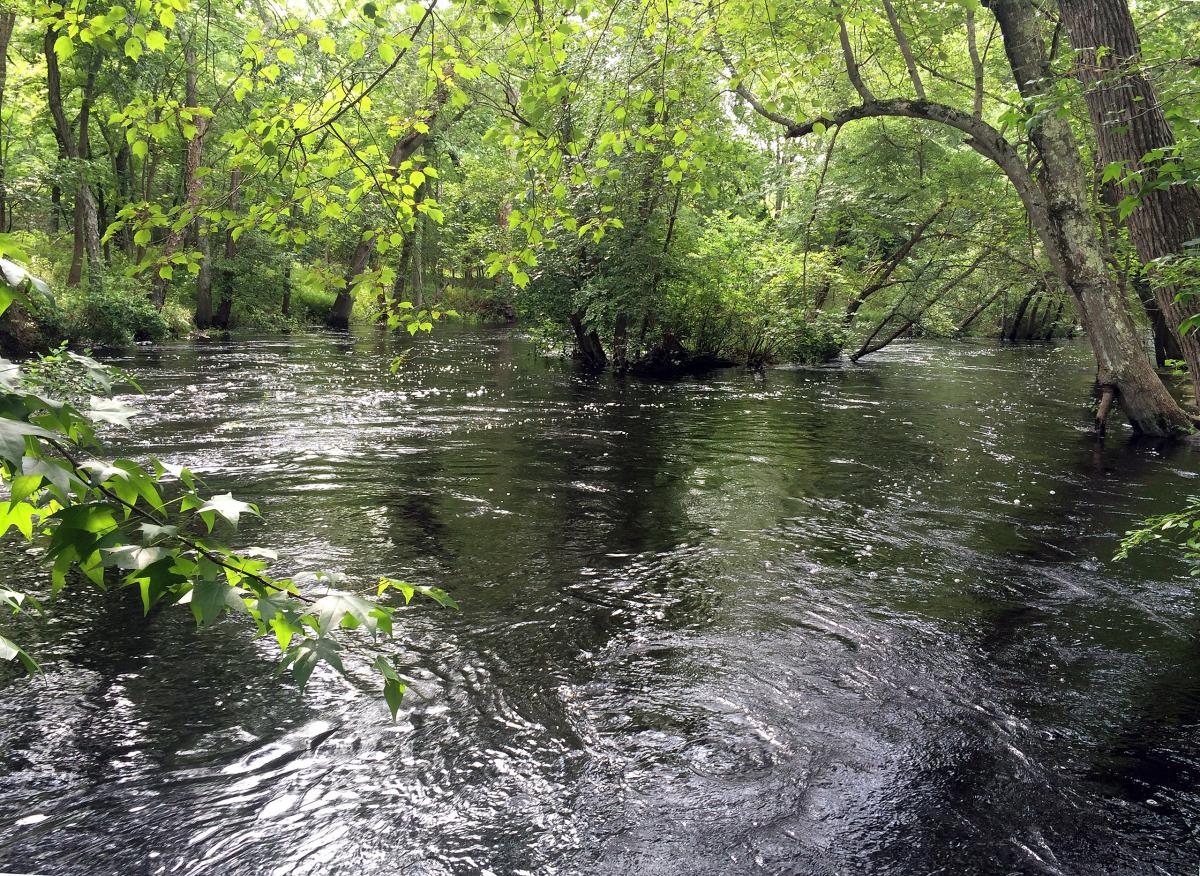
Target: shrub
809,339
115,313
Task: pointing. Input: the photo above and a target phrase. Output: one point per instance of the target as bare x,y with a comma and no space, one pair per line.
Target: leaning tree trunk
1068,229
1129,124
589,349
343,304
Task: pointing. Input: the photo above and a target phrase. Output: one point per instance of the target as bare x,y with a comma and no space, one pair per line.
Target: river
837,620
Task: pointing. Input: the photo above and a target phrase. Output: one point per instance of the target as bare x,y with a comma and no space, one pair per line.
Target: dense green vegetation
653,186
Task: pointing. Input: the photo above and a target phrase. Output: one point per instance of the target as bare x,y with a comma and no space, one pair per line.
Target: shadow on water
811,621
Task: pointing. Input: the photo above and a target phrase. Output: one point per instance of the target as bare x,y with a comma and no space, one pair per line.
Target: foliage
1180,529
112,313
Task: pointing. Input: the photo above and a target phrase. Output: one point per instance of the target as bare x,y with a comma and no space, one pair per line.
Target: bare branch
853,69
905,49
739,87
976,62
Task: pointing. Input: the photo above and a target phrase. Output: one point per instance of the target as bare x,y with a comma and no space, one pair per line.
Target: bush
746,295
807,339
116,313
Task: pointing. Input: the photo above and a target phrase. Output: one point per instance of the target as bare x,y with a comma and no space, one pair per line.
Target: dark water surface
851,620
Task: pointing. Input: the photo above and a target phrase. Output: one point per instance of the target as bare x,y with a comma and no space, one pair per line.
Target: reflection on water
841,620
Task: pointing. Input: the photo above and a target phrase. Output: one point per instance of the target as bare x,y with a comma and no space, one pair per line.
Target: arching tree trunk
1130,124
1057,202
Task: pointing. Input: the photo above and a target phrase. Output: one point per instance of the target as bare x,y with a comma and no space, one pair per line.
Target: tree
1056,201
1137,148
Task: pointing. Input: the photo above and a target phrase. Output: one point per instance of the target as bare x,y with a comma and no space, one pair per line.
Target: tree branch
976,62
852,67
905,49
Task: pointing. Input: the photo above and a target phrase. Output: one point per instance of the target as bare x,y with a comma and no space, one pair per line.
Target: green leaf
133,48
441,597
345,610
304,656
12,438
134,556
406,589
208,600
229,508
10,651
64,48
109,410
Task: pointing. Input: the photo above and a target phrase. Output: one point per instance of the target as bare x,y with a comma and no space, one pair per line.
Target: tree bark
1129,124
204,284
8,20
224,315
87,229
191,181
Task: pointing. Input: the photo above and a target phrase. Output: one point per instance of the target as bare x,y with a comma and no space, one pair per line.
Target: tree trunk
1166,342
403,149
1068,231
8,20
589,350
976,312
1129,124
884,272
204,284
1014,328
621,343
343,305
224,314
191,181
87,229
403,271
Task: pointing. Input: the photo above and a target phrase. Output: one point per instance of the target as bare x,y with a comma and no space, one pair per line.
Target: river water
840,620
